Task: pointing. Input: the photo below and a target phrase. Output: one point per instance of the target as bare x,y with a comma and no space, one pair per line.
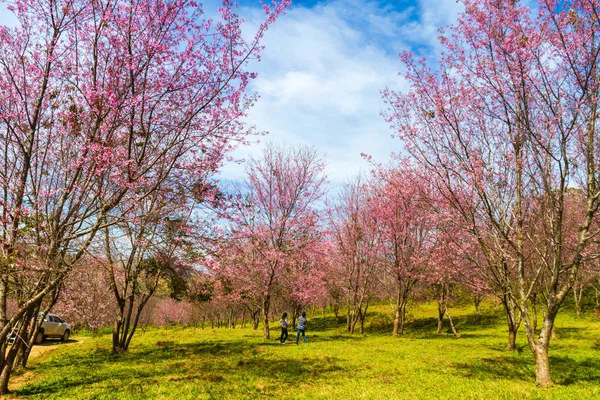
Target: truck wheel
65,336
39,338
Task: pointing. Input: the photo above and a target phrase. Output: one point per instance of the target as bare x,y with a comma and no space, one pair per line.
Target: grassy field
192,363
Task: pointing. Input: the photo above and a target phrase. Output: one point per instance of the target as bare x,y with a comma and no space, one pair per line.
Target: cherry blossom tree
274,223
101,101
356,260
406,225
85,299
145,251
506,123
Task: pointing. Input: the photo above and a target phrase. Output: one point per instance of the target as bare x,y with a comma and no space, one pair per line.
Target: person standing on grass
284,325
301,327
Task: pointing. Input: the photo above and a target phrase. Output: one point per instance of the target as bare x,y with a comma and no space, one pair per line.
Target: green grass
192,363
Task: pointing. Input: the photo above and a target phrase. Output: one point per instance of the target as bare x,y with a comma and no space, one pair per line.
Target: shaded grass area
192,363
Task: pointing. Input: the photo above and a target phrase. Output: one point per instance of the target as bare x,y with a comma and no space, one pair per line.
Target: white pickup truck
52,326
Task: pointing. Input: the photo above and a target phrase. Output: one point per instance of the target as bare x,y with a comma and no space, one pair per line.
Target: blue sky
323,67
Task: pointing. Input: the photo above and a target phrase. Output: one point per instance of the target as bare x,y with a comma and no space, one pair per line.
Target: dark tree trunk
399,313
336,311
266,305
512,322
440,319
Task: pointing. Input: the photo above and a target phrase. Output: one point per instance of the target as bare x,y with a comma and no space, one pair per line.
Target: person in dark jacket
284,328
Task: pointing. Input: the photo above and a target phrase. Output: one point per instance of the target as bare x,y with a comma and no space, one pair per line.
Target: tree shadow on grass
501,367
207,362
477,321
326,323
564,370
426,328
568,333
567,371
138,364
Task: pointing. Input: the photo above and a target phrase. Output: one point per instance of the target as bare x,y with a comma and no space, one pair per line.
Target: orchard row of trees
115,116
498,187
391,236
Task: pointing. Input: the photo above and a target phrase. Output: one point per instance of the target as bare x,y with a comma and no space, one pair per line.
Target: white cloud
322,71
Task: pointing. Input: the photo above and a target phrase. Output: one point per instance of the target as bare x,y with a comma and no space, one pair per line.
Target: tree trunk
534,311
361,317
440,320
399,314
353,325
29,337
402,316
512,323
348,321
116,347
266,305
336,311
477,301
440,303
511,345
7,367
452,324
577,294
542,366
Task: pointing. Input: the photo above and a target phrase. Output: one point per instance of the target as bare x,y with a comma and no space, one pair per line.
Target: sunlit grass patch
195,363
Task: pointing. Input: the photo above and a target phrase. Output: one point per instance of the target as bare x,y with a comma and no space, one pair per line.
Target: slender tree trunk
353,325
400,313
451,323
362,323
6,370
266,305
255,319
534,311
116,348
477,301
403,315
336,311
29,337
513,325
440,319
577,294
7,366
348,320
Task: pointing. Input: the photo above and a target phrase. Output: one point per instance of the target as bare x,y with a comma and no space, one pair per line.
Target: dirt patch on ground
36,352
50,345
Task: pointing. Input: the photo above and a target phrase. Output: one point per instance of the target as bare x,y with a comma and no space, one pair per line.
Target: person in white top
301,327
